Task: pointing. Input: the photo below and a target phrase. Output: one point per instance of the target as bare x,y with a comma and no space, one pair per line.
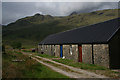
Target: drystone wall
101,54
57,50
70,54
48,50
52,50
87,53
39,48
66,51
74,55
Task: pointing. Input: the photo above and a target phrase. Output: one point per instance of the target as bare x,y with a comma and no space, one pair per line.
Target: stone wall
45,49
74,55
87,53
48,49
39,48
52,50
70,55
57,50
101,54
66,51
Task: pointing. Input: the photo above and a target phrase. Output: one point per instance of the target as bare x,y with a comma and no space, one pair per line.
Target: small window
71,49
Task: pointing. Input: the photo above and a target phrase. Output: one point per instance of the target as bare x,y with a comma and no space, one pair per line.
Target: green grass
17,52
40,71
90,67
74,64
80,65
60,66
26,69
26,50
46,56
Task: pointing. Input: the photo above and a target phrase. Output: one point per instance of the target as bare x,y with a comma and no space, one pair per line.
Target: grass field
25,67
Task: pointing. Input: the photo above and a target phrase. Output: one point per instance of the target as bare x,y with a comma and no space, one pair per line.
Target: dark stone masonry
87,53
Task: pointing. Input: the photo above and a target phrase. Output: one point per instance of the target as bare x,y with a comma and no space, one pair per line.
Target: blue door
61,51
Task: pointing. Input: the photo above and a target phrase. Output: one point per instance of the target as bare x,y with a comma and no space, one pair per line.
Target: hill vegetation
32,29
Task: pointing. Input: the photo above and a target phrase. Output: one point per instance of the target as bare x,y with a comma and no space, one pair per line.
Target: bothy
94,44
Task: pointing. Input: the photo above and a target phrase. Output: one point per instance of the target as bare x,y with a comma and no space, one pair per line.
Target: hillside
32,29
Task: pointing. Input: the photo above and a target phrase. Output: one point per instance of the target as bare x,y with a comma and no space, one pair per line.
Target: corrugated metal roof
97,33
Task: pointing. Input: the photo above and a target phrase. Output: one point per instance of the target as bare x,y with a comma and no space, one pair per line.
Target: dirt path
84,73
71,72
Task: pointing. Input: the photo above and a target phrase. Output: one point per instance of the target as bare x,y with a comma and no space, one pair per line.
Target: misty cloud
12,11
60,1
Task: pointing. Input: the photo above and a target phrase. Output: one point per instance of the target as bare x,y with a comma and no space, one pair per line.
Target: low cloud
11,11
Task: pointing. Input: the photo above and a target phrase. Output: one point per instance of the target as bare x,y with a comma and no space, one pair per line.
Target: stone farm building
94,44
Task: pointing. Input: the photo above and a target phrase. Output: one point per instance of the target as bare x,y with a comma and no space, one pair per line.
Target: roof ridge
114,33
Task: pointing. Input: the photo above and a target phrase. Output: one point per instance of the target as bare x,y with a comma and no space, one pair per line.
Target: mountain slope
31,30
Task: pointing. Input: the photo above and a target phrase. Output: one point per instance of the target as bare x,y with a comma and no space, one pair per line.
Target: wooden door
80,53
61,51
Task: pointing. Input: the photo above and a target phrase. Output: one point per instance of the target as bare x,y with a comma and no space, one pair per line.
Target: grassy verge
47,56
73,63
59,66
80,65
28,68
90,67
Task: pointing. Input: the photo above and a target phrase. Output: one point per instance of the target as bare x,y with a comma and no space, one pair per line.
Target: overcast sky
11,11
